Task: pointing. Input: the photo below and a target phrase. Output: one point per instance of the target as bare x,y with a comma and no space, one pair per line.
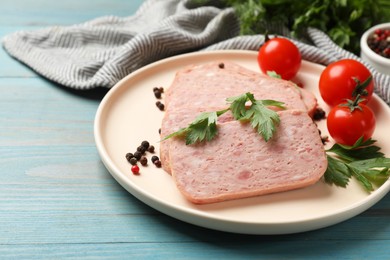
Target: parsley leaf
363,160
204,127
337,172
375,170
237,105
360,150
261,117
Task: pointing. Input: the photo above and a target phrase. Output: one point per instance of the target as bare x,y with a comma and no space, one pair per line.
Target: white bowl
380,63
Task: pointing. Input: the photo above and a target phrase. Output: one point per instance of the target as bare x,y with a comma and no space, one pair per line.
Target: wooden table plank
47,226
247,249
48,13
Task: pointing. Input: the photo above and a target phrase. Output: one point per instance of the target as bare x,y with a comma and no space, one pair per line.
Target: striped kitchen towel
103,51
100,52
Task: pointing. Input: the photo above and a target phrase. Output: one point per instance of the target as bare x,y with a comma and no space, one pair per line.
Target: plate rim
196,217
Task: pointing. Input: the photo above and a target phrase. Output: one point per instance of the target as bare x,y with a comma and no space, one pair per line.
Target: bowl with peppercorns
375,47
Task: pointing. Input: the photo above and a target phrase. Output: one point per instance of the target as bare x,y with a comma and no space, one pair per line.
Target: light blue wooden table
57,200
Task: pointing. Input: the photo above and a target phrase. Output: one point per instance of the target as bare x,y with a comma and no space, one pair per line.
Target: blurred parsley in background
343,20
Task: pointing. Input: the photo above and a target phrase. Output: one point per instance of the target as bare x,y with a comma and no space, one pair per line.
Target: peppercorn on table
59,201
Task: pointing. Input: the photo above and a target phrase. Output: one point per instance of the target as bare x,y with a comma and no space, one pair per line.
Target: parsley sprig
363,160
263,119
204,127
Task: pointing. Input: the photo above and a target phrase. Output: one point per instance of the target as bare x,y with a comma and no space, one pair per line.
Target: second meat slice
238,163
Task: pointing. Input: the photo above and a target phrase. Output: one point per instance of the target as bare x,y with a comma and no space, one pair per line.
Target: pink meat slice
208,85
238,163
205,87
310,101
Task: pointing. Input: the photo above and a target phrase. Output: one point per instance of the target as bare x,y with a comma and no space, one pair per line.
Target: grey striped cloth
100,52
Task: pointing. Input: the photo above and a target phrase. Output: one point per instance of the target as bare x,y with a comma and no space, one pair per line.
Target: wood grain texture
47,13
58,201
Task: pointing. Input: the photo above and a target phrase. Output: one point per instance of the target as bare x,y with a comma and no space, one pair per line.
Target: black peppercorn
161,89
133,161
157,163
221,65
155,158
143,161
145,144
137,155
160,105
129,156
319,114
151,149
157,94
141,149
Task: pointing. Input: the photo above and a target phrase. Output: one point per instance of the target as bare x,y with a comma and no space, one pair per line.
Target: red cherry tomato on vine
279,55
338,81
346,127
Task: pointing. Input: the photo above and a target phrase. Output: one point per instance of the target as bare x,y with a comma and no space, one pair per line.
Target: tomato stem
353,104
266,37
357,100
360,88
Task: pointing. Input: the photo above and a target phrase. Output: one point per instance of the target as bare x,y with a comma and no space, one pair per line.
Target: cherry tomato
279,55
337,81
346,127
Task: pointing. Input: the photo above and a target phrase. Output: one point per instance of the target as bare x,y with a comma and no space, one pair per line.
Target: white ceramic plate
128,115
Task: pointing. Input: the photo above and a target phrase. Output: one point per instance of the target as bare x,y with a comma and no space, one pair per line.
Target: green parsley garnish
363,160
262,118
204,127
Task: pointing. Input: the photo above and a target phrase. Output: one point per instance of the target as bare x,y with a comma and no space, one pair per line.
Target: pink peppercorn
135,169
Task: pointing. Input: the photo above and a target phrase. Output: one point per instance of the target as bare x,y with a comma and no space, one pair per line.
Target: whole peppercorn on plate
128,115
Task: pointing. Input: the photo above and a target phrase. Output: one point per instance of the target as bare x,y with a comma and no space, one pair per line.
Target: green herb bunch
343,20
